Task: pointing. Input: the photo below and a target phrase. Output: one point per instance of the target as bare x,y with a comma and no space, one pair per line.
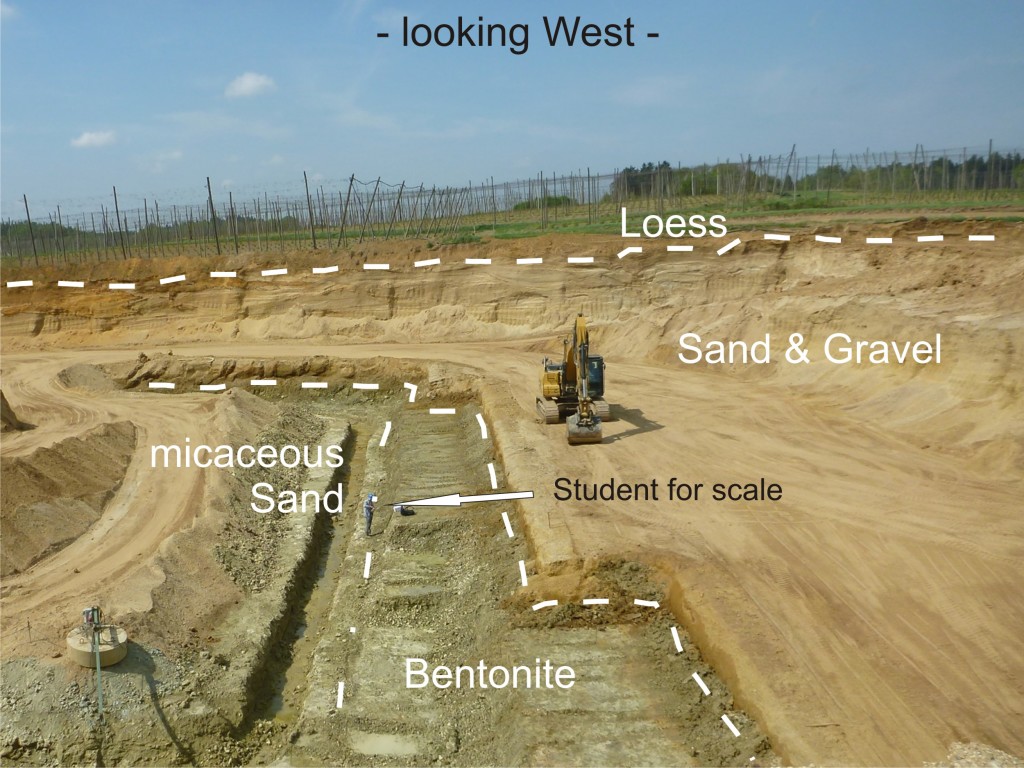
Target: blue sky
154,97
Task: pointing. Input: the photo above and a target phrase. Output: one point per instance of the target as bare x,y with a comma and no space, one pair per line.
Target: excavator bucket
581,432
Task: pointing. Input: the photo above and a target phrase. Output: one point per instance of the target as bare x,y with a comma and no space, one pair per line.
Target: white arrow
631,249
457,500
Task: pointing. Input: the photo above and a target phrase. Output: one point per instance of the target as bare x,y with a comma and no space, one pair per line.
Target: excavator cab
595,376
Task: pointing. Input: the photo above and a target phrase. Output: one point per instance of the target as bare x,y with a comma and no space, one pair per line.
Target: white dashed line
484,261
412,391
646,603
702,684
212,387
534,260
676,640
728,247
595,601
366,568
263,382
387,431
341,694
442,411
545,604
161,385
314,385
522,572
508,525
728,722
357,385
494,477
483,426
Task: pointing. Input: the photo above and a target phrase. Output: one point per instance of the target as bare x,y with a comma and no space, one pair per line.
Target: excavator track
548,411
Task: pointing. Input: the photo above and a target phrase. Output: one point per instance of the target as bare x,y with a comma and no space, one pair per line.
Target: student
368,511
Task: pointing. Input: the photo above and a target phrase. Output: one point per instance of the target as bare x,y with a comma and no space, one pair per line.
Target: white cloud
275,160
94,139
159,161
200,121
357,117
8,11
249,84
203,123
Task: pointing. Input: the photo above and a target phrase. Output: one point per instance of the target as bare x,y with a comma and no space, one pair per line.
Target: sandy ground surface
872,616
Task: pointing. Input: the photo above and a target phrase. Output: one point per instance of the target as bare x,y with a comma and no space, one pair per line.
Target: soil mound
51,497
85,376
9,422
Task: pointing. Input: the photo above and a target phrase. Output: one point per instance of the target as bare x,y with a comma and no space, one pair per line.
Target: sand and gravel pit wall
51,496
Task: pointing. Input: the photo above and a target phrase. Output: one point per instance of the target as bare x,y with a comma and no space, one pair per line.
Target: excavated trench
444,586
317,665
284,681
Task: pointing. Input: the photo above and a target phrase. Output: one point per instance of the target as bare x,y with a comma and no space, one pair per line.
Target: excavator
573,388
